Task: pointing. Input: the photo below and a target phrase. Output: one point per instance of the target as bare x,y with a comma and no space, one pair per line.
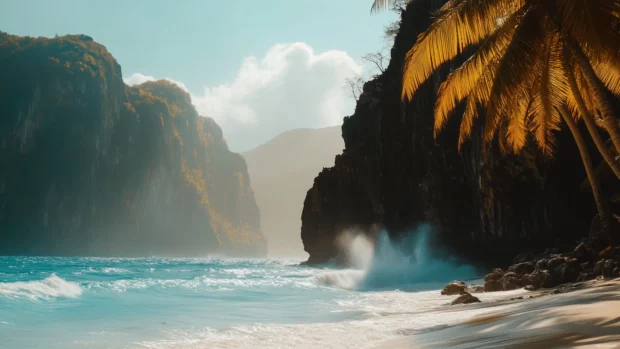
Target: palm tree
602,204
511,35
534,58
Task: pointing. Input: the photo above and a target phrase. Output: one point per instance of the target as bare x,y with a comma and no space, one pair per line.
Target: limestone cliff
394,175
90,166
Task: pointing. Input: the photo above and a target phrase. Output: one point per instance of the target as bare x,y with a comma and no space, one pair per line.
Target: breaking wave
409,264
50,287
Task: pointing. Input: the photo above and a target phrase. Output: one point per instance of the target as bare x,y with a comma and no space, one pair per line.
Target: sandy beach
583,315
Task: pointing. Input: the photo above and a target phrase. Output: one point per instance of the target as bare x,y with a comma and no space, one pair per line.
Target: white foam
367,331
406,265
346,279
50,287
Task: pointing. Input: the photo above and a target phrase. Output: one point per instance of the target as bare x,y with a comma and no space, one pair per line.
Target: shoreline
575,315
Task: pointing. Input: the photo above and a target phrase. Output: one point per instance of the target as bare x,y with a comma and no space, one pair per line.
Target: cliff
394,175
282,170
90,166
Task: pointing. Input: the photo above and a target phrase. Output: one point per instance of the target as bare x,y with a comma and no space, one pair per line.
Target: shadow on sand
582,319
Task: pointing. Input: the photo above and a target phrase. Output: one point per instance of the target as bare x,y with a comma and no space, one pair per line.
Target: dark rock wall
394,175
90,166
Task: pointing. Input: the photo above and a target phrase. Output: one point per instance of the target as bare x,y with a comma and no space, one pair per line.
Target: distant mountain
281,172
91,166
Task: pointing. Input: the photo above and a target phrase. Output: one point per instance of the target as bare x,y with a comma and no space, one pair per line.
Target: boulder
492,282
493,286
522,268
535,280
453,288
465,298
585,276
609,267
598,268
475,289
555,262
510,281
542,264
495,275
565,272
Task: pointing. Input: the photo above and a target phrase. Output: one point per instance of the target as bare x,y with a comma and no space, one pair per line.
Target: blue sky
207,45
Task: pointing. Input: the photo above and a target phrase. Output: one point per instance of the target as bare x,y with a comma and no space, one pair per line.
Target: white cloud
290,87
137,79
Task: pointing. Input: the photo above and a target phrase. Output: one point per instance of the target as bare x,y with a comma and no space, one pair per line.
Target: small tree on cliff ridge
354,85
534,59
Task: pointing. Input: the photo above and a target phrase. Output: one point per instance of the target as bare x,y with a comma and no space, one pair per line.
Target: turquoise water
48,302
100,303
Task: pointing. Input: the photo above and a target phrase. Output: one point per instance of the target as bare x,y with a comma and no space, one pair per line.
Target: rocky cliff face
394,175
91,166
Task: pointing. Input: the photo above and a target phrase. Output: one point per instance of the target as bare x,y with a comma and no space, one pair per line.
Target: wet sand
584,315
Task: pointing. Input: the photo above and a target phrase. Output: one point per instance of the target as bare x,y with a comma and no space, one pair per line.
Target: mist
410,264
281,172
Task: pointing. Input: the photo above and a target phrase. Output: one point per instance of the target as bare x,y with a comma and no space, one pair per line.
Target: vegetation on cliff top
73,54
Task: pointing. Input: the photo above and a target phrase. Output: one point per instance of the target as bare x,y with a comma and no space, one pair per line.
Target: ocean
60,302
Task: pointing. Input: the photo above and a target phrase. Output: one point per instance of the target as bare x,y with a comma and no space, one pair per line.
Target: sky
258,67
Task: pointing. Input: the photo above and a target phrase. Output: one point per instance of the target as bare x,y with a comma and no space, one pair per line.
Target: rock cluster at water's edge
553,269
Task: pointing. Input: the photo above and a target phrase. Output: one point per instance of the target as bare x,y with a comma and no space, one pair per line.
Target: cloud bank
290,87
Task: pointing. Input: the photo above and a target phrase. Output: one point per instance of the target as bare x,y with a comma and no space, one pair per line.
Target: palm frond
552,91
574,72
478,97
516,129
517,70
609,74
458,26
459,84
591,24
467,122
379,5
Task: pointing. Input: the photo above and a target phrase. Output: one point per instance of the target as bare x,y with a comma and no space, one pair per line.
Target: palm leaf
609,74
478,97
379,5
591,24
552,91
517,70
574,71
459,84
516,129
458,26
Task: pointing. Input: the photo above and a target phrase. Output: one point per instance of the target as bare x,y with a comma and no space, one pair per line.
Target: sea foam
50,287
409,264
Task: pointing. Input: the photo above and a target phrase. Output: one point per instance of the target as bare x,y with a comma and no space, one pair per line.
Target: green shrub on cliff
76,53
